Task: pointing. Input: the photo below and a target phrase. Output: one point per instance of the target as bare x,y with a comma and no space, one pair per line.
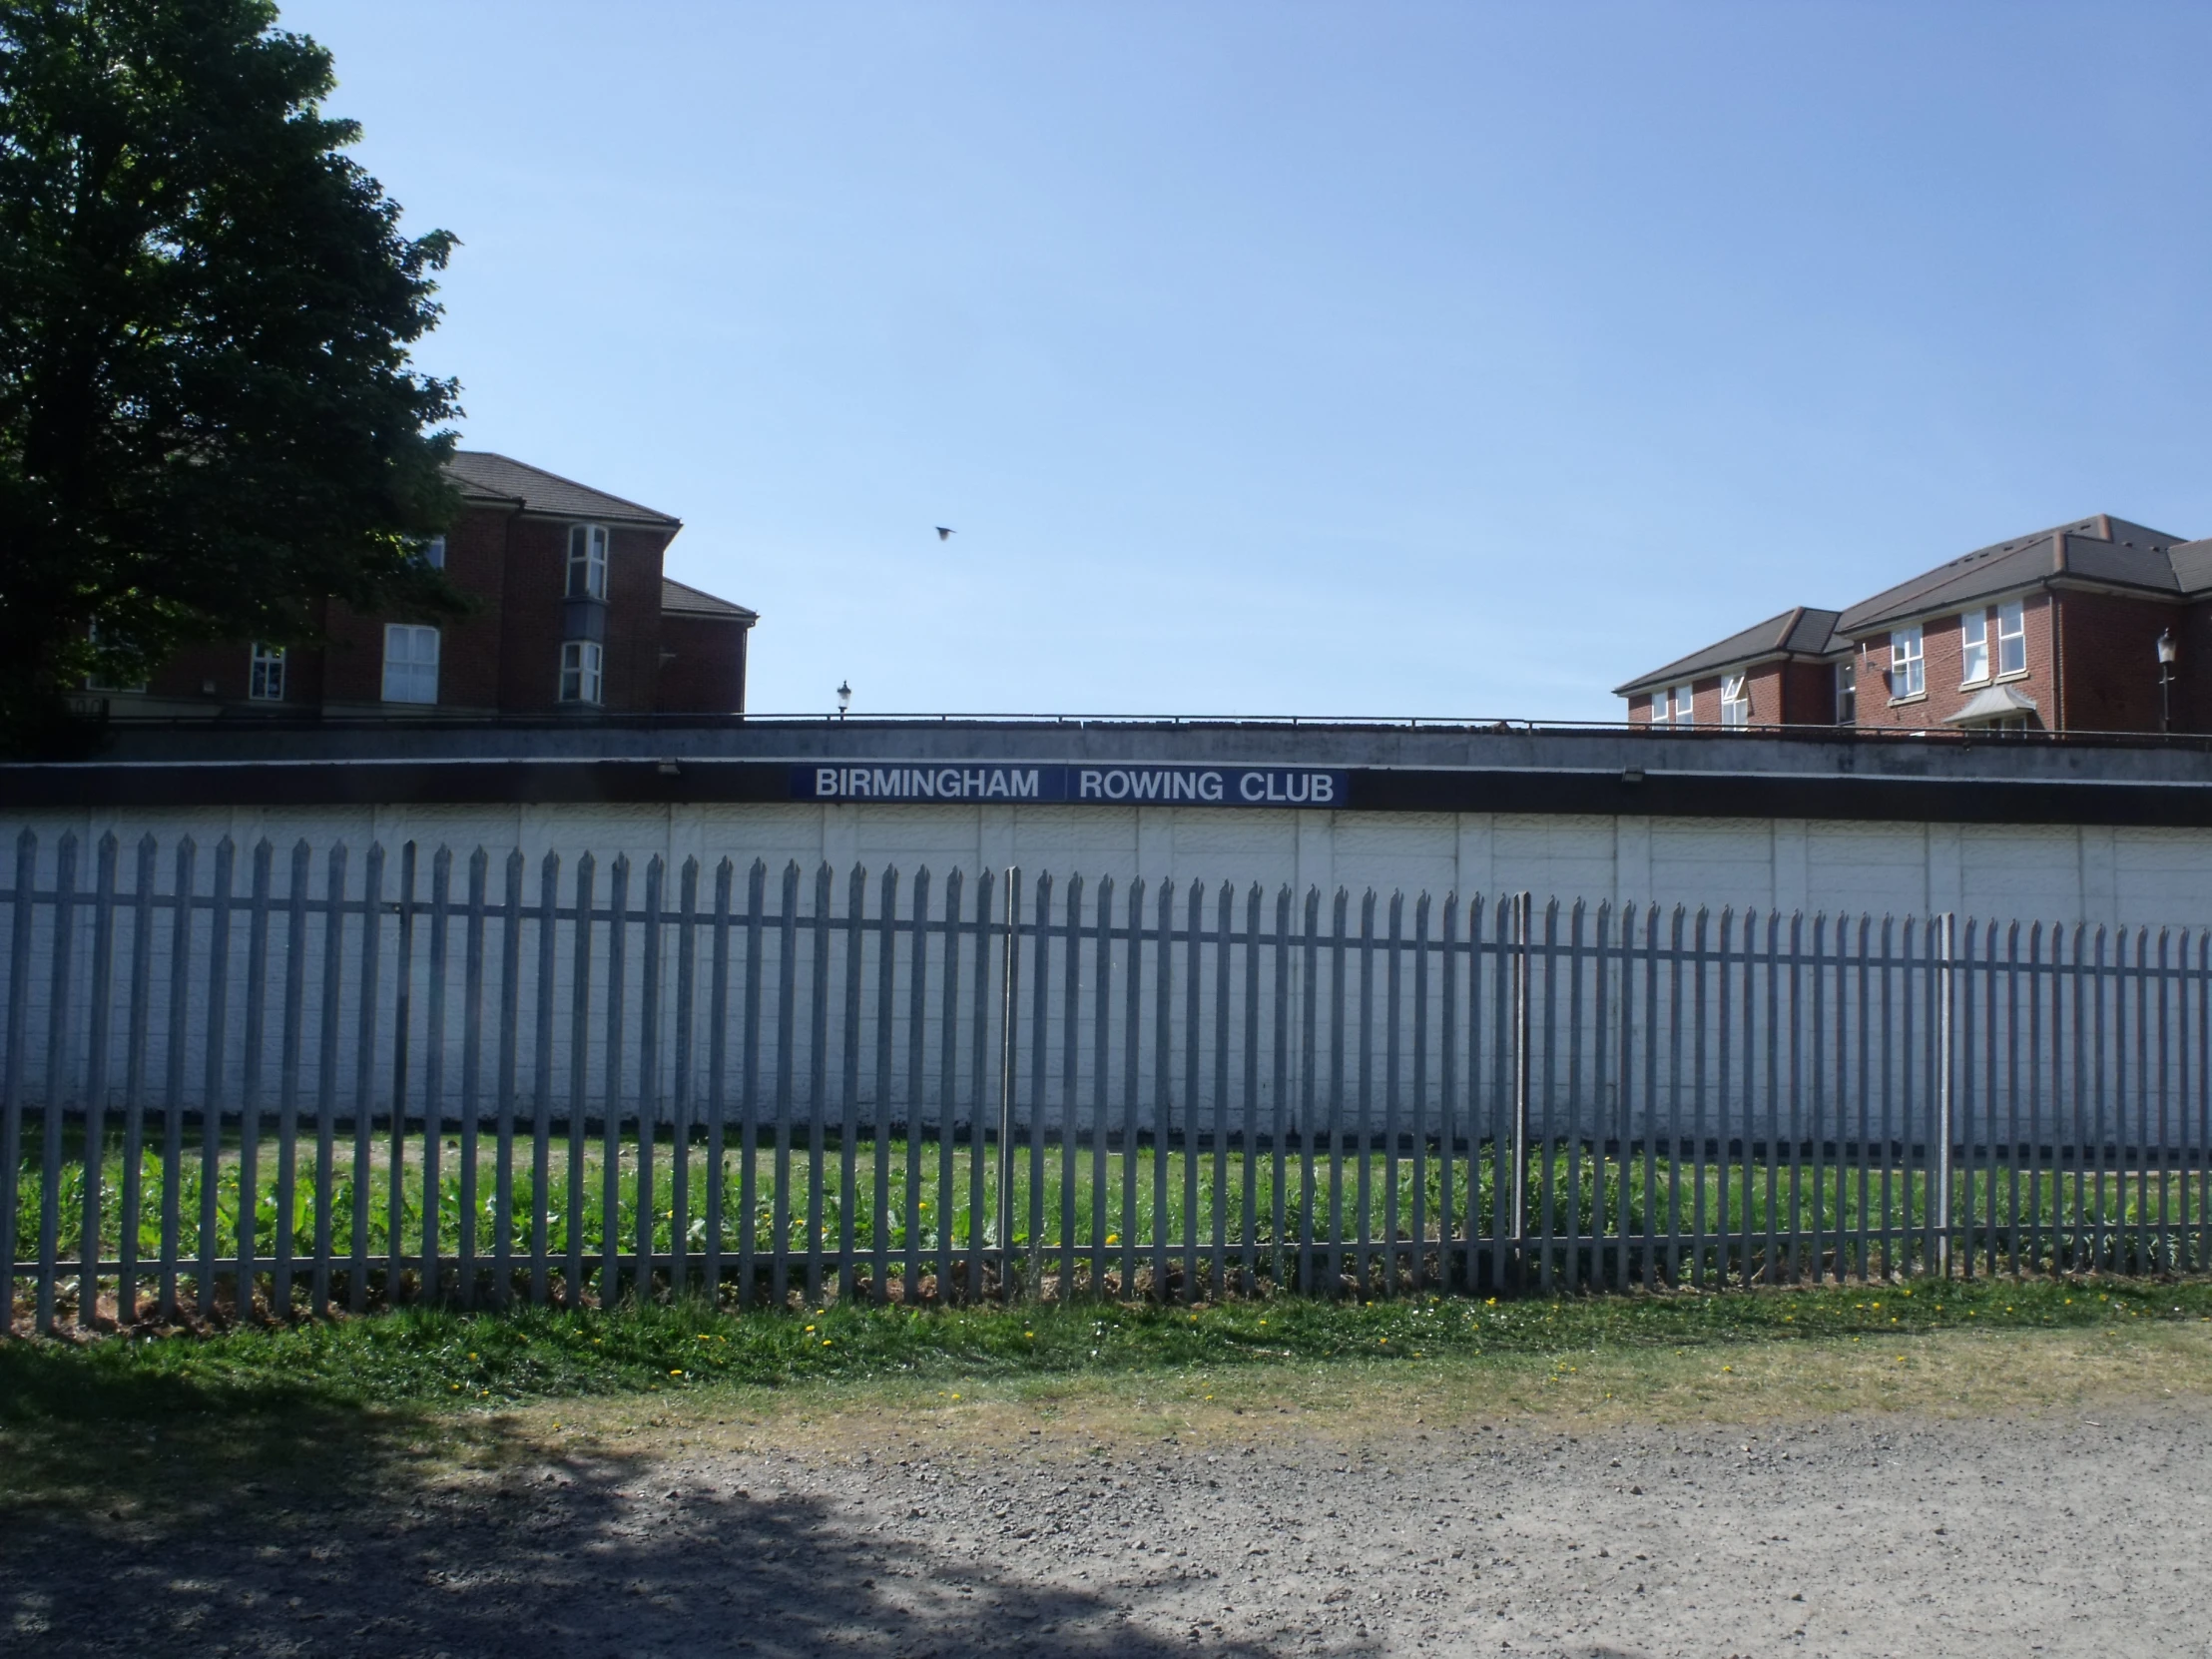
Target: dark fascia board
1540,791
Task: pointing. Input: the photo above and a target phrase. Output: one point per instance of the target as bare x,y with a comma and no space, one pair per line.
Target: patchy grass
307,1414
432,1358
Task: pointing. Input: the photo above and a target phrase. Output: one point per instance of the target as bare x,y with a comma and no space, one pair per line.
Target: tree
208,419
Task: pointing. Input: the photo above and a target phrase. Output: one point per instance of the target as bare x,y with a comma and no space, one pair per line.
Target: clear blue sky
1365,357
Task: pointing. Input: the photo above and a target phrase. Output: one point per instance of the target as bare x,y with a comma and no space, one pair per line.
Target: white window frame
583,672
1660,706
433,553
1735,700
587,562
264,672
410,663
1908,664
1846,692
2011,639
1685,705
1974,648
93,682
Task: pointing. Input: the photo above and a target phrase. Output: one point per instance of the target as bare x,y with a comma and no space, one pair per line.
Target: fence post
1946,944
1009,1004
1523,909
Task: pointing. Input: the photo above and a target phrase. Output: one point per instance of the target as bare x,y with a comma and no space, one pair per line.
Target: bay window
587,561
582,663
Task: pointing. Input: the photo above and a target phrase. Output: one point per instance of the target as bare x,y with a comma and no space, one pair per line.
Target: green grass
898,1200
435,1357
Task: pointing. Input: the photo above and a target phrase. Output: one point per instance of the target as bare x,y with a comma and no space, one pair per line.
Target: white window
1658,708
264,681
1908,668
93,682
587,561
581,662
1685,711
410,663
1974,648
1847,692
1735,701
433,552
2011,637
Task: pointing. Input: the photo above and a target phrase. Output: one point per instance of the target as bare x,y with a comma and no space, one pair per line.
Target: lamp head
2168,650
845,696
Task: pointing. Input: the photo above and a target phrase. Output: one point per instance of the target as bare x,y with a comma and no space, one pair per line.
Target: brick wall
703,665
534,617
2110,666
1806,693
1944,660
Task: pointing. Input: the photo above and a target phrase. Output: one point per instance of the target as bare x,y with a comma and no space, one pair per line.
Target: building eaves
681,599
1803,632
487,477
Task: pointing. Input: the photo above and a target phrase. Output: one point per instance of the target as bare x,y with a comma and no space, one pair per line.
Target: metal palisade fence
266,1081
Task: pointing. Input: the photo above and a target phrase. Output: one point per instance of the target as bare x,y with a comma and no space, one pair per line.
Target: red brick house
2095,626
574,617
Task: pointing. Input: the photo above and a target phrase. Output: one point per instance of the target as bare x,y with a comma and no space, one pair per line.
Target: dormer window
587,561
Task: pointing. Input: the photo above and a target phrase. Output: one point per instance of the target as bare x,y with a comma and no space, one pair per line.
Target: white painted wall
2044,872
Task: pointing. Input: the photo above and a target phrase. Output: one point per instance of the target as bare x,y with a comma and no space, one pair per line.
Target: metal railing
262,1082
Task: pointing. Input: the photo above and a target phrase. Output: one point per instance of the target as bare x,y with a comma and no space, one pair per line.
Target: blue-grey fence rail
259,1081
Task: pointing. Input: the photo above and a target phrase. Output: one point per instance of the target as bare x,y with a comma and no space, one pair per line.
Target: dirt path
2081,1533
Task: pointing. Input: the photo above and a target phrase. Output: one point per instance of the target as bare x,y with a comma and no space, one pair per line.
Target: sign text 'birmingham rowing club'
1104,786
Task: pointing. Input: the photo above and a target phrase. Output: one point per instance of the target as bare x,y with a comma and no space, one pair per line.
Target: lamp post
2167,650
845,697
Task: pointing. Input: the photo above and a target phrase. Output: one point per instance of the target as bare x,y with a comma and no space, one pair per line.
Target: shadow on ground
147,1515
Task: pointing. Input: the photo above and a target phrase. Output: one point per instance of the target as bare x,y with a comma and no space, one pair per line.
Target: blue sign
1107,786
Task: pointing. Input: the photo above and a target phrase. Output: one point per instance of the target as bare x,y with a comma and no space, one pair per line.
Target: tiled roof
689,601
1803,632
2102,549
2099,549
484,476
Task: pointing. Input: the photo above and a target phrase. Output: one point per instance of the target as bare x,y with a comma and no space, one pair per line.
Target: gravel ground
1869,1536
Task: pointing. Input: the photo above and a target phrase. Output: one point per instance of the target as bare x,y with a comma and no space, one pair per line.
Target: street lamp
845,697
2167,652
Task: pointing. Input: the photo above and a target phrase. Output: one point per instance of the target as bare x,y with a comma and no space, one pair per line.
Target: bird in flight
943,534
